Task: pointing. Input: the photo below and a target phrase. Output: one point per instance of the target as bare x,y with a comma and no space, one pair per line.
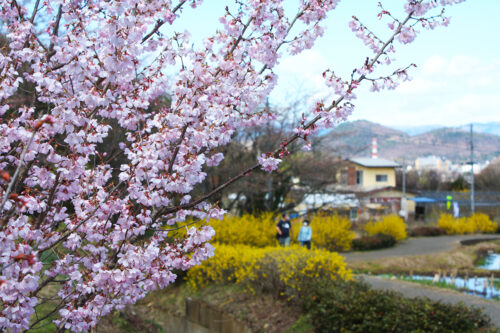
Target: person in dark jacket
283,230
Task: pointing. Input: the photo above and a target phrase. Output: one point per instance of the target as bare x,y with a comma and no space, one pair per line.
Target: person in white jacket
305,235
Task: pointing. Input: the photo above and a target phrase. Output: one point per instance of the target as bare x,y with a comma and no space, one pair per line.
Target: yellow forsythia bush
329,232
476,223
455,226
259,231
392,225
332,232
482,223
270,269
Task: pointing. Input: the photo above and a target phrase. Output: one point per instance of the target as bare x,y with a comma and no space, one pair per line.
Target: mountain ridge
353,139
486,128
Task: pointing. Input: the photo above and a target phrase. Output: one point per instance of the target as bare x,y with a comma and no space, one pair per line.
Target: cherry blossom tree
88,234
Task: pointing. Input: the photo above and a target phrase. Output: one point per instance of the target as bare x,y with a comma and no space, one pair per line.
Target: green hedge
354,307
426,231
375,242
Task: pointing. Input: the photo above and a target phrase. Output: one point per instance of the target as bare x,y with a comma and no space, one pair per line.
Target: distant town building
446,168
433,163
478,167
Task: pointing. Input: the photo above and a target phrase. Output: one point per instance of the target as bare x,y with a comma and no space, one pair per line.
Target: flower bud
5,176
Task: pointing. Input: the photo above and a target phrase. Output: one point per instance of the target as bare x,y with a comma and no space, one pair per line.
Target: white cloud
451,90
433,65
484,81
301,75
419,86
461,65
309,61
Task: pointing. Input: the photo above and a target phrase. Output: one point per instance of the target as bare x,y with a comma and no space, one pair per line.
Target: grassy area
430,283
443,284
439,284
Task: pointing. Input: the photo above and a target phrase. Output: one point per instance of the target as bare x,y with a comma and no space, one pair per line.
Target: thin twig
55,32
35,10
69,232
174,229
176,151
49,204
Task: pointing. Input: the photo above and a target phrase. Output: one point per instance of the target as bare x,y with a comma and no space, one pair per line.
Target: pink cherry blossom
268,163
101,149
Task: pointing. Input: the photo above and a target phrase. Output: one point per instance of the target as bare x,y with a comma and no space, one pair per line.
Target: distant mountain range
353,139
487,128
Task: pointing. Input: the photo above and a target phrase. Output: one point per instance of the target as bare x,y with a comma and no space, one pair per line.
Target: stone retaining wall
202,317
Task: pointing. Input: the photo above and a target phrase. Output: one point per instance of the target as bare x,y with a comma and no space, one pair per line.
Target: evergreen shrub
351,306
426,231
375,242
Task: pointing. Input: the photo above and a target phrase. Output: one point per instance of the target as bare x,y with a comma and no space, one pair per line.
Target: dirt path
412,290
415,246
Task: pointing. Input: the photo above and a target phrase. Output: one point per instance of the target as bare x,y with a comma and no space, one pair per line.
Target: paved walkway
415,246
412,290
422,246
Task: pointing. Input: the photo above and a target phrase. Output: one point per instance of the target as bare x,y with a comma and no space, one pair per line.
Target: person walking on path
305,235
283,230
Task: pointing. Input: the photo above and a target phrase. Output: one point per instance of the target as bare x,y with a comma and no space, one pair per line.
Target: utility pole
404,202
472,208
404,180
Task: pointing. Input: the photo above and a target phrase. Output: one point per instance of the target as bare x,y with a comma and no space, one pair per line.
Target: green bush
350,306
375,242
426,231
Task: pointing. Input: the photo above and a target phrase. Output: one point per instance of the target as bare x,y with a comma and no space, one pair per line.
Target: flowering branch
78,116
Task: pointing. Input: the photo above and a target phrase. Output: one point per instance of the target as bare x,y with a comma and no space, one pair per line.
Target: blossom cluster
100,151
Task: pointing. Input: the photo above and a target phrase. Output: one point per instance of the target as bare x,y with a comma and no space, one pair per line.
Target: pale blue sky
457,80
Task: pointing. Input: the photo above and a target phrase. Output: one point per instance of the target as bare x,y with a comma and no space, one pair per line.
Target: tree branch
159,23
170,210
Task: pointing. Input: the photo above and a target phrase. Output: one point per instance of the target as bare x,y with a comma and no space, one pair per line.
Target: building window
381,178
343,177
359,177
353,213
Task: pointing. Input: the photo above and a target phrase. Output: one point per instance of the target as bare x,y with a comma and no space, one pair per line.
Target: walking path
412,290
415,246
421,246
